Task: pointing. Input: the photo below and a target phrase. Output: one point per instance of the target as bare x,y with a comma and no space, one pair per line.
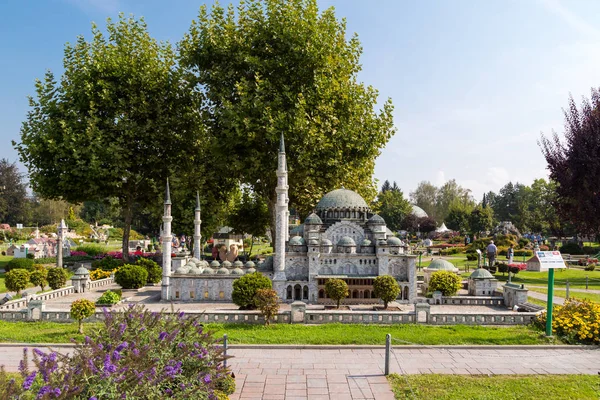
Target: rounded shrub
16,279
109,297
39,277
131,276
81,309
245,288
57,277
153,269
336,289
386,288
446,282
21,263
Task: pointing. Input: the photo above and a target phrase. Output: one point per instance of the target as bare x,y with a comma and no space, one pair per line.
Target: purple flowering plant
135,354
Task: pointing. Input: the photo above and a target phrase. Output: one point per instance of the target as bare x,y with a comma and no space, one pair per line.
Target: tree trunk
385,305
128,214
251,247
338,303
80,326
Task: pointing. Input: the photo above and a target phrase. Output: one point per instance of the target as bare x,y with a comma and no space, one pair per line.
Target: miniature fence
22,303
310,317
508,318
471,300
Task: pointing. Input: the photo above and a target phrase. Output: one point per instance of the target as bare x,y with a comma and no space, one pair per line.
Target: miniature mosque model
342,239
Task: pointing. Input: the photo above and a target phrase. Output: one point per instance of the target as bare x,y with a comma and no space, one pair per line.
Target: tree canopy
436,201
392,206
13,194
574,164
269,68
117,124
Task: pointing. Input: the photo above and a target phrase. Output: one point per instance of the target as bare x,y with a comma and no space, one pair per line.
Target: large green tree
271,67
425,196
13,194
392,206
574,164
117,124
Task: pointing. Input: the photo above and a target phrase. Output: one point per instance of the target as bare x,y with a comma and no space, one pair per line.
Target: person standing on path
510,253
491,253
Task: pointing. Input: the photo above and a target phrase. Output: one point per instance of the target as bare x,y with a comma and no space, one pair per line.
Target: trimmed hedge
19,263
131,276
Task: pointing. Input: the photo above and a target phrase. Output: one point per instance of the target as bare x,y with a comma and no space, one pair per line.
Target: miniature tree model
446,282
16,280
267,302
39,277
336,289
386,288
81,309
245,288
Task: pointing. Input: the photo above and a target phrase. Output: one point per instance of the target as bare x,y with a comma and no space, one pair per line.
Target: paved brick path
276,372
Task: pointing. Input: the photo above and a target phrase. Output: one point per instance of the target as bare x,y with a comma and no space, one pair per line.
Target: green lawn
498,387
577,295
341,334
576,278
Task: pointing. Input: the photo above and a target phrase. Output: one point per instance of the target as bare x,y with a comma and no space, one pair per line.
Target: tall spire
282,144
167,194
197,201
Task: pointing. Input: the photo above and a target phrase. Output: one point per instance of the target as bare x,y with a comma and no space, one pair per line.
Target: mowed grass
576,277
576,295
332,334
497,387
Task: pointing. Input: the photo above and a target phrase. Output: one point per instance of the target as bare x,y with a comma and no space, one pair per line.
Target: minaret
62,229
281,210
166,246
197,224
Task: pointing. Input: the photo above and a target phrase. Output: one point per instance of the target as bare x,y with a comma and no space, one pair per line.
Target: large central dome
342,199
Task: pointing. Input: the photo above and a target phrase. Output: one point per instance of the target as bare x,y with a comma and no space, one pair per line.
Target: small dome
394,241
195,271
267,265
251,270
313,219
418,212
237,271
326,242
366,242
226,264
190,265
481,273
297,230
194,260
346,241
250,264
313,242
208,271
376,220
203,264
215,264
238,264
342,199
441,265
223,271
81,271
297,241
182,270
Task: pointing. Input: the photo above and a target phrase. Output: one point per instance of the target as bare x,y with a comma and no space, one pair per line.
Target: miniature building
342,239
482,283
80,279
436,265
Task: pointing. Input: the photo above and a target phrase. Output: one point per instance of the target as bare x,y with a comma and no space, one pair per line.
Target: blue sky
473,82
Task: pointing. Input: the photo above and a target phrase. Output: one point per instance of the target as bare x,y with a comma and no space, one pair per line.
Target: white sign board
19,226
550,259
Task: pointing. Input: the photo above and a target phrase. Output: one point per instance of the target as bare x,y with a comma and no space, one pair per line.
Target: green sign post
550,299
